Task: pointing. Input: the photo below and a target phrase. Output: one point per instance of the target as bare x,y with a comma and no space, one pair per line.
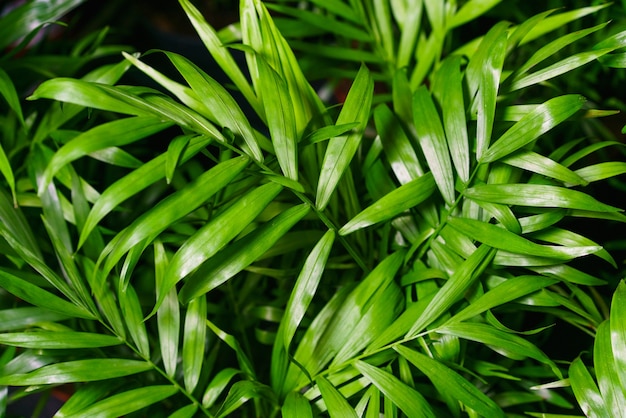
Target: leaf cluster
170,253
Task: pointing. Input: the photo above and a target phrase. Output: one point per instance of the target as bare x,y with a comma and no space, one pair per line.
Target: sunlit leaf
449,382
77,371
58,339
341,149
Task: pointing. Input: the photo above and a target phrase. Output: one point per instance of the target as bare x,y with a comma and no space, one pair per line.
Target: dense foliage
408,245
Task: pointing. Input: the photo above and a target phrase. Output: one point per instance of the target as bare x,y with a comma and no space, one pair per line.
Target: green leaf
175,150
296,405
534,124
447,88
240,254
396,145
536,163
220,52
194,341
507,344
20,318
471,10
498,237
305,287
127,402
341,149
618,331
40,297
433,142
217,386
609,383
537,195
215,234
58,339
77,371
450,383
154,221
507,291
7,90
240,393
337,405
392,204
133,183
215,97
454,288
133,318
116,133
280,118
410,401
586,391
602,171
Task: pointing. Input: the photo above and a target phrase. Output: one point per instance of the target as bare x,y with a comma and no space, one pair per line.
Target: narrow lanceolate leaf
454,288
602,171
216,98
133,317
341,149
111,134
506,291
58,339
448,90
561,67
490,73
451,383
133,183
500,238
618,331
296,405
220,52
194,341
214,235
77,371
536,163
537,195
280,118
39,297
392,204
433,142
534,124
608,377
240,393
240,254
305,287
218,385
337,405
8,92
173,208
124,403
507,344
410,401
586,391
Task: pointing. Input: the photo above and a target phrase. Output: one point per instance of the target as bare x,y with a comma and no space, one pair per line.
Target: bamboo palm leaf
406,398
452,290
500,238
533,125
280,118
220,53
214,235
127,402
296,405
449,382
169,209
433,142
537,196
194,341
336,404
447,88
77,371
341,149
58,339
405,197
218,385
241,254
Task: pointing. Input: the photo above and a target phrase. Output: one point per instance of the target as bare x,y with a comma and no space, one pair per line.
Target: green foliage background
408,251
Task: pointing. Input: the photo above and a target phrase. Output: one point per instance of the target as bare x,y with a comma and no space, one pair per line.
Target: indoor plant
351,260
